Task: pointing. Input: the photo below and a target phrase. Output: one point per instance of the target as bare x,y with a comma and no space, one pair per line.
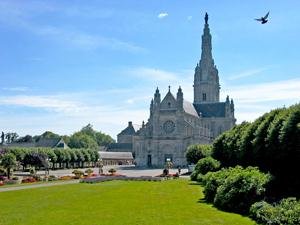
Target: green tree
82,140
8,161
196,152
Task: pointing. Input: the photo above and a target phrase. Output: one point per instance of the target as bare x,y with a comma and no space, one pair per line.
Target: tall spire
206,55
206,80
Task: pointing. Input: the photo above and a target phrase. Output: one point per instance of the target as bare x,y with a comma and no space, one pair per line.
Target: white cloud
263,92
153,74
17,89
52,103
248,73
253,100
162,15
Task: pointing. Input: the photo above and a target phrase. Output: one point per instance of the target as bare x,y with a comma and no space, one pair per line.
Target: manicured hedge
235,189
272,143
53,157
287,211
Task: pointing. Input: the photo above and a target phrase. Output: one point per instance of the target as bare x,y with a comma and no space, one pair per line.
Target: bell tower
206,79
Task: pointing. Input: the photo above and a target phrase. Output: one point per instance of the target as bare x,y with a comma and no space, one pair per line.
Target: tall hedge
272,142
55,157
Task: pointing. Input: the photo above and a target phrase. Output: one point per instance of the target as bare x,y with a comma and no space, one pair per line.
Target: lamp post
46,169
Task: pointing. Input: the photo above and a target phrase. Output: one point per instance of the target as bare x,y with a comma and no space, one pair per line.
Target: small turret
151,107
157,97
232,107
179,98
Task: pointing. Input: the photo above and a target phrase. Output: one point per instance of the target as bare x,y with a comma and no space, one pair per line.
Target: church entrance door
149,160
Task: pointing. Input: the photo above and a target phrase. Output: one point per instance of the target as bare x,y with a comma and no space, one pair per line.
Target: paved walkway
29,186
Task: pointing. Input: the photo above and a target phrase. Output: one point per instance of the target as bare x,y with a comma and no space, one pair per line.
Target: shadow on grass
194,183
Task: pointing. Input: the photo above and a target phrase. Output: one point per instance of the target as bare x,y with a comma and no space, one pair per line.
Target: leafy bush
207,164
78,174
286,212
194,175
211,182
112,170
52,178
89,171
196,152
235,189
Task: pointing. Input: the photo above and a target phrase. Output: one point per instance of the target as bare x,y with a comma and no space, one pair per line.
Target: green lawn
114,202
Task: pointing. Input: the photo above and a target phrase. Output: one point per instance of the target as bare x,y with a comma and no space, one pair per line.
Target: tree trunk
8,173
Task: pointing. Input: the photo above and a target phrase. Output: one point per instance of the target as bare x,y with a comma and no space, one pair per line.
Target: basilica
175,123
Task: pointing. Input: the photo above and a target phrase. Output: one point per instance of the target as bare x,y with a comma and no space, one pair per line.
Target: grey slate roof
189,108
120,146
42,142
21,144
47,142
116,155
128,130
216,109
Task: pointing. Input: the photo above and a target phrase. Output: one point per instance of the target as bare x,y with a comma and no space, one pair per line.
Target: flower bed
29,180
120,177
169,176
66,178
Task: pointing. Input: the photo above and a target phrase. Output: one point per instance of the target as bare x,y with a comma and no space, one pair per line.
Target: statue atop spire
206,18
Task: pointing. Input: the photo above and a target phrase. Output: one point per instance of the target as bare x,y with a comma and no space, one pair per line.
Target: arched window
204,96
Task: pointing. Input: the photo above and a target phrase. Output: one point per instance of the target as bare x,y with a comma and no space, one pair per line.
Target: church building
174,123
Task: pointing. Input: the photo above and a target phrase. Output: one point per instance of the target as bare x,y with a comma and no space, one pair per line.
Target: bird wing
266,16
258,19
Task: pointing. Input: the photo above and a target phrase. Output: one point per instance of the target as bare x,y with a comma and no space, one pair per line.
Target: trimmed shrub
196,152
235,189
89,172
112,171
78,174
286,212
207,164
241,189
194,175
211,182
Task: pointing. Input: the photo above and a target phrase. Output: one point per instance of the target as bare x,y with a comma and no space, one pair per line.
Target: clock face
169,126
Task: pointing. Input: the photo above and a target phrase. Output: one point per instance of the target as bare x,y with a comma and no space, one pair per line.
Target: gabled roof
116,155
47,142
216,109
169,101
169,96
129,130
189,108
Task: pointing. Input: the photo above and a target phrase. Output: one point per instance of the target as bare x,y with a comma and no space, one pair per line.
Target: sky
64,64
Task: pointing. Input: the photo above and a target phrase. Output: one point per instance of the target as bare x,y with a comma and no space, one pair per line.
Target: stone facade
175,123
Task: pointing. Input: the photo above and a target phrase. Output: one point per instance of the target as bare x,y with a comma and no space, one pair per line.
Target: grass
114,202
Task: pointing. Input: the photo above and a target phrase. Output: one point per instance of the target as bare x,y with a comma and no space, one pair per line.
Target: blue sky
64,64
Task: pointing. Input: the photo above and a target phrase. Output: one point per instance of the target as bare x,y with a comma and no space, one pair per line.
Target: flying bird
263,19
